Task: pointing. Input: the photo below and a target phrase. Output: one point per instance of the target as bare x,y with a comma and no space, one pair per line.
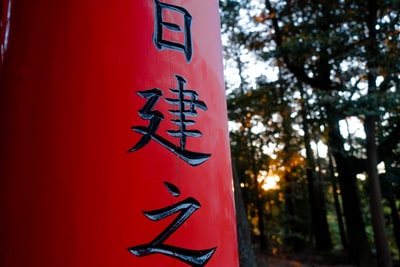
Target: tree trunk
246,253
338,209
395,220
360,249
378,222
320,226
347,168
292,228
327,241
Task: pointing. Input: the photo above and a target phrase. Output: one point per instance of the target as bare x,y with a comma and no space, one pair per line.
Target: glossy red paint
70,193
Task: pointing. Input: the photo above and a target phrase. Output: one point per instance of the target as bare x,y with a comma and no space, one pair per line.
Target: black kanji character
155,117
160,24
147,113
186,208
182,112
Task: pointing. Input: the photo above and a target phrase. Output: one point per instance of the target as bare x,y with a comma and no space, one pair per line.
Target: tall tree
378,223
317,201
246,253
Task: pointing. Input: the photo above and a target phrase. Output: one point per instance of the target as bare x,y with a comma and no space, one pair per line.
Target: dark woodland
313,92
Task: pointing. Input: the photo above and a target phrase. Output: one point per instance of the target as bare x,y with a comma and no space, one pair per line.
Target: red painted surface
70,193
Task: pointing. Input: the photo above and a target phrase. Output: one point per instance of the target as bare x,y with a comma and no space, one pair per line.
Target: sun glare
269,180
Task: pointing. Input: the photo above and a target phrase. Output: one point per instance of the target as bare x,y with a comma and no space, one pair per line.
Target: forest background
314,112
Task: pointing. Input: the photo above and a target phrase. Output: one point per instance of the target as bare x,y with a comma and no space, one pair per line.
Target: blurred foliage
290,57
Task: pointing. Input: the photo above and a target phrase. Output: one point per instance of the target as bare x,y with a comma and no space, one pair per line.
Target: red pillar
114,143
